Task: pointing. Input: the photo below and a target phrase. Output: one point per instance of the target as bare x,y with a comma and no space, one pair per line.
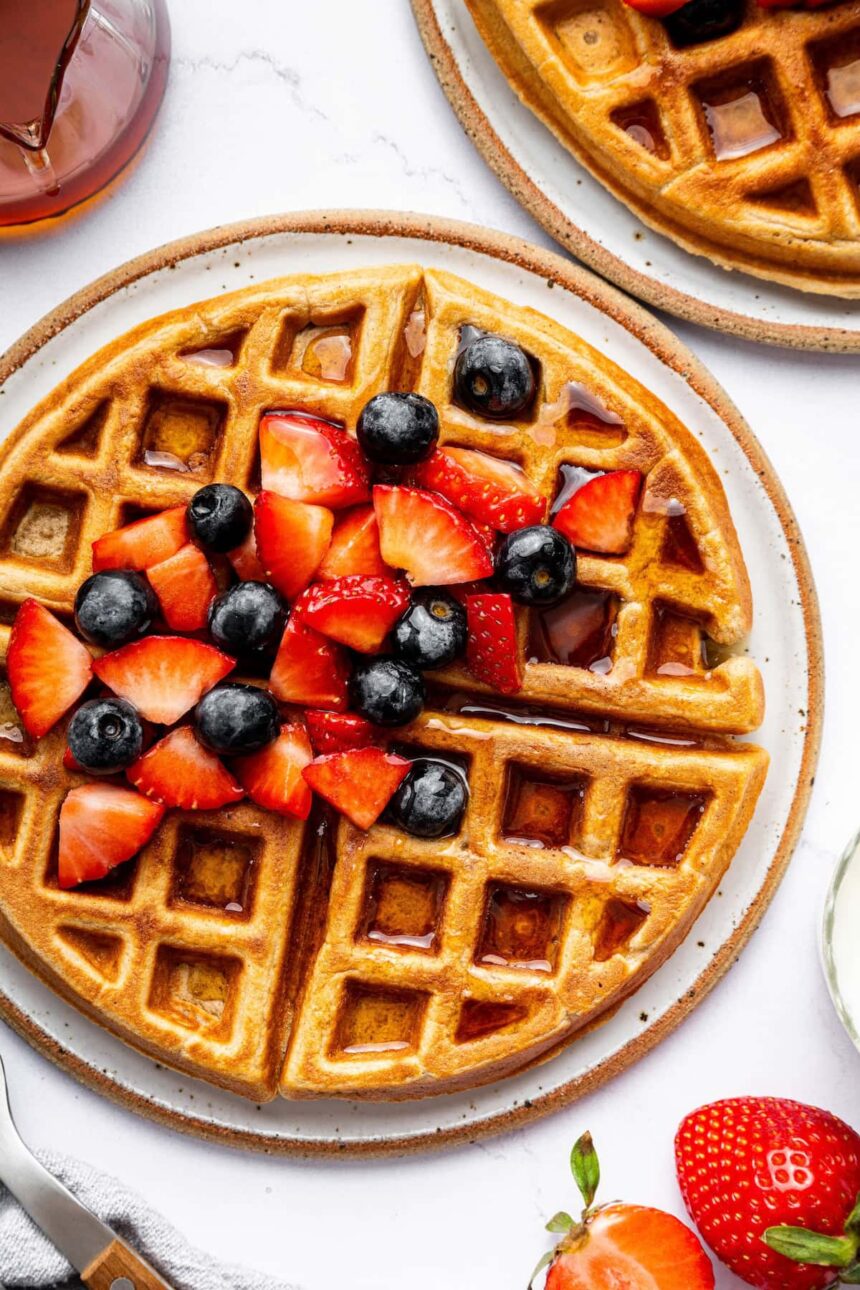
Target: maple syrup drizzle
579,632
620,922
522,928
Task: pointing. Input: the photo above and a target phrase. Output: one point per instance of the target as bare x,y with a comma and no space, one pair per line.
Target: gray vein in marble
281,71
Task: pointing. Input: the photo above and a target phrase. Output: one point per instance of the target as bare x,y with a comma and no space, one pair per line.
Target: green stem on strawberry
803,1246
585,1167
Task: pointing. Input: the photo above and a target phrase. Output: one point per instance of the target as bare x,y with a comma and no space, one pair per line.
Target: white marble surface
333,104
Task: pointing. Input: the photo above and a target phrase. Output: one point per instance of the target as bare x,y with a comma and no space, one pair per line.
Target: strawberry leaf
812,1247
560,1222
543,1262
850,1276
852,1222
585,1168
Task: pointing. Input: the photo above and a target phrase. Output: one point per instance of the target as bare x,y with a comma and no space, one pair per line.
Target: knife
102,1258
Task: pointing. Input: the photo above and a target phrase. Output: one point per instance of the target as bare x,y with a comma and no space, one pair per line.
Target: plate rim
670,351
563,229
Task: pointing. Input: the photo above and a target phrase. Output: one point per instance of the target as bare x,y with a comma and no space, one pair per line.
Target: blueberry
430,801
234,719
114,607
398,429
220,517
387,691
105,735
432,632
703,20
537,565
494,378
247,618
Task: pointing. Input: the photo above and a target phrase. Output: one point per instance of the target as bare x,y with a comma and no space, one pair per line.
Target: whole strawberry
773,1187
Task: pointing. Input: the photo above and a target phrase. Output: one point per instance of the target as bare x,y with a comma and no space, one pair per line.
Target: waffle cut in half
606,800
745,148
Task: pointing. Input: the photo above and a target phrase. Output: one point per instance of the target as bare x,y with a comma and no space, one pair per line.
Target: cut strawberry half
332,732
426,536
357,611
309,669
599,515
292,539
359,783
354,547
48,667
179,771
102,826
492,652
185,586
656,8
144,543
70,761
273,777
245,560
163,676
309,460
494,492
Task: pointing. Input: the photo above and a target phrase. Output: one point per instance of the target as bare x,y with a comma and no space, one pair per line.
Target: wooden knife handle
119,1264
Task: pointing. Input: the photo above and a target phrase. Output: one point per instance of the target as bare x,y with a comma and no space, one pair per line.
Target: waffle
745,149
268,956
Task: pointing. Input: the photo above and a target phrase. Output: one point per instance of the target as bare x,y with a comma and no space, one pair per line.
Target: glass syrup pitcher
80,84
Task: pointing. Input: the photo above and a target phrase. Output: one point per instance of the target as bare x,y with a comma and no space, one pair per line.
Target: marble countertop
335,105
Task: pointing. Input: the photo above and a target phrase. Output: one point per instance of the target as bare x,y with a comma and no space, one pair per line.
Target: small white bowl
841,942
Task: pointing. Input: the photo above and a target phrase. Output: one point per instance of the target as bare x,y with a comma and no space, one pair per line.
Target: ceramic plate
785,642
588,221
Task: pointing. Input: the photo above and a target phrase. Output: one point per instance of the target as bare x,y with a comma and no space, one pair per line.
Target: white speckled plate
588,221
785,642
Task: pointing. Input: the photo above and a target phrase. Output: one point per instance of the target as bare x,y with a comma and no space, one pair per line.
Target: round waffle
317,960
744,149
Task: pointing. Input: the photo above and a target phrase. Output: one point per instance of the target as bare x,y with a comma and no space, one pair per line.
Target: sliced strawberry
354,546
163,676
426,536
292,539
357,611
144,543
656,8
179,771
309,669
48,667
359,783
338,731
495,492
245,560
273,777
492,652
102,826
185,586
599,515
70,761
309,460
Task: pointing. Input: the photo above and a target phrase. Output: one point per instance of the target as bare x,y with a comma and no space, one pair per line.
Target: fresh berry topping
494,378
357,611
105,735
426,536
247,619
114,607
220,517
101,827
245,560
387,691
163,676
398,429
179,771
308,460
704,20
354,546
536,566
337,731
309,668
48,668
655,8
491,491
768,1181
234,719
69,760
492,652
146,542
358,783
273,777
292,539
599,515
432,632
185,586
431,800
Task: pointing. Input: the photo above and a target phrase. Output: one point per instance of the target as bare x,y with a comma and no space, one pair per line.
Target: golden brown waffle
745,149
263,954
